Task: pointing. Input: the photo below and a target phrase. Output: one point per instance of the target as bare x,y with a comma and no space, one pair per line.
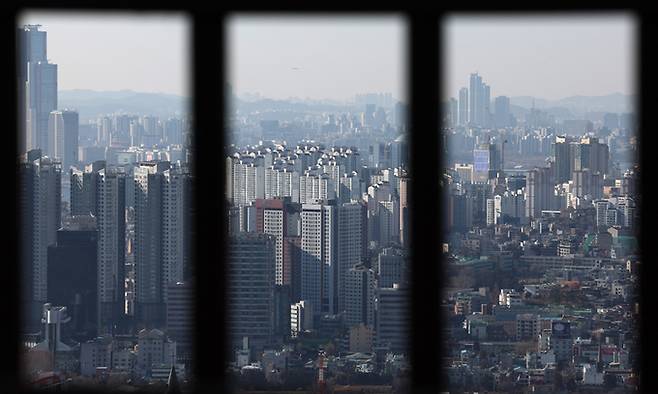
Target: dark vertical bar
646,82
424,126
210,229
11,274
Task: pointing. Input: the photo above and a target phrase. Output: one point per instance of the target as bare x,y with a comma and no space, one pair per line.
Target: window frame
424,47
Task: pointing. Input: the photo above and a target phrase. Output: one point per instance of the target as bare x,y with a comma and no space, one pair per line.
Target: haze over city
547,57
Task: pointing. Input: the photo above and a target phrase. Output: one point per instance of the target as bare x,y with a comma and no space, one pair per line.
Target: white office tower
148,186
352,244
360,292
301,318
250,279
40,185
319,257
63,137
40,100
384,214
316,186
393,318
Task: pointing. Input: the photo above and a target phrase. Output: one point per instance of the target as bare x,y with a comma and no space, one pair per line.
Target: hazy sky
142,52
335,57
543,57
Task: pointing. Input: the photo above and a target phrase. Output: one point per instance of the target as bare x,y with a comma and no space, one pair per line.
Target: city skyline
559,56
147,66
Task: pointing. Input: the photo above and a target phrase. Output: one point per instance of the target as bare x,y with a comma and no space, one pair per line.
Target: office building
101,191
360,289
41,100
73,273
31,48
393,318
250,279
319,257
463,106
180,318
279,218
351,245
63,129
392,267
301,318
539,194
40,196
162,209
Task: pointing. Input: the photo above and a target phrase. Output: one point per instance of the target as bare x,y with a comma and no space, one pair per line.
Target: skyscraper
475,99
393,318
110,213
479,97
563,159
63,129
318,263
72,274
351,243
360,288
148,185
31,45
176,220
162,210
486,104
539,191
40,185
463,106
40,100
250,279
100,190
273,217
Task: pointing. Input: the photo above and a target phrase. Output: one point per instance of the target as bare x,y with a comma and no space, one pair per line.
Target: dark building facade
72,276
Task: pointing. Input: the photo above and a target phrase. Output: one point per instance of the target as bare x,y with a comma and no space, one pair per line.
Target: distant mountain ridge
579,105
92,103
